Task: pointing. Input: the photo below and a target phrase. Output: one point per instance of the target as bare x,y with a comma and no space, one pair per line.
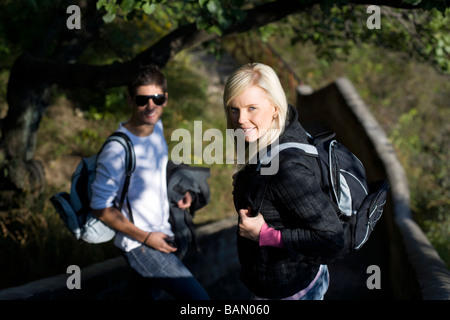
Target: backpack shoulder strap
125,141
308,149
130,163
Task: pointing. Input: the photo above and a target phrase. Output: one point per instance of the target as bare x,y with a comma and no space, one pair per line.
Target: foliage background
407,90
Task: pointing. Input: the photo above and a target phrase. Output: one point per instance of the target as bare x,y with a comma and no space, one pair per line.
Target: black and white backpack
358,204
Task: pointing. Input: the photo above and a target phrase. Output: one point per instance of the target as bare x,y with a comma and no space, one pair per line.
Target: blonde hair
264,77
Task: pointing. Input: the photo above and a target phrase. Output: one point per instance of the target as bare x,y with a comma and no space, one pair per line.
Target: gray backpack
358,204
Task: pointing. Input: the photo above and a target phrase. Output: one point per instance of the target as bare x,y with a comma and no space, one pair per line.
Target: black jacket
294,204
180,179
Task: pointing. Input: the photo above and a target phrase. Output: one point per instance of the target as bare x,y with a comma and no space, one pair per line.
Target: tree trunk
22,178
21,175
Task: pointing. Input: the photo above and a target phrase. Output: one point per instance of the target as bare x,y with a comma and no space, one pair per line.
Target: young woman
283,238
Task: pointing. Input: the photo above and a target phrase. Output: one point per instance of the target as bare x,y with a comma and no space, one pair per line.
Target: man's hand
157,242
250,227
185,202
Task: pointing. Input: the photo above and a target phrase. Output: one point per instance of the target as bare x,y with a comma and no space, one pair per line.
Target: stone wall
114,279
415,269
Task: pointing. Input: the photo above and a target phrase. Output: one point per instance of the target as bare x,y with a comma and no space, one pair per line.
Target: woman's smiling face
252,112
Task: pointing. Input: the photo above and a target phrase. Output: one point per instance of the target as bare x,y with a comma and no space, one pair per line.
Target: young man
145,241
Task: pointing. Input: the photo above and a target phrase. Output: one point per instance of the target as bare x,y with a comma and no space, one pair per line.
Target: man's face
150,112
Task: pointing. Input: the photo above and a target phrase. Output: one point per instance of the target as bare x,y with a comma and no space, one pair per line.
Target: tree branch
50,71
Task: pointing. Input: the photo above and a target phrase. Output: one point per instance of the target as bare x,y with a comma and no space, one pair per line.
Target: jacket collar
293,130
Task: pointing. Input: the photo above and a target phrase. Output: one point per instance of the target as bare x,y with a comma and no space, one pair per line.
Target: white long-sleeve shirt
147,191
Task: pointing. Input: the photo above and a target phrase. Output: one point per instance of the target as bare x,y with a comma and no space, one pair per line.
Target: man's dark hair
148,75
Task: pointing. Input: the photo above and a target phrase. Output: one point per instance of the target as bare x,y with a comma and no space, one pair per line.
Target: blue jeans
319,288
315,291
167,272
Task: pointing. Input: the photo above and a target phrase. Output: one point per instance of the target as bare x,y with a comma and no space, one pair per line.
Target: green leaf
224,21
109,17
127,5
149,8
213,6
100,4
202,3
214,29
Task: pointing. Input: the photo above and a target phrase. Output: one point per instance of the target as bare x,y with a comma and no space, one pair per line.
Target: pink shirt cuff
269,237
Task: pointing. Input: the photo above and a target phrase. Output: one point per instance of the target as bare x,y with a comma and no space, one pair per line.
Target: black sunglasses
158,99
